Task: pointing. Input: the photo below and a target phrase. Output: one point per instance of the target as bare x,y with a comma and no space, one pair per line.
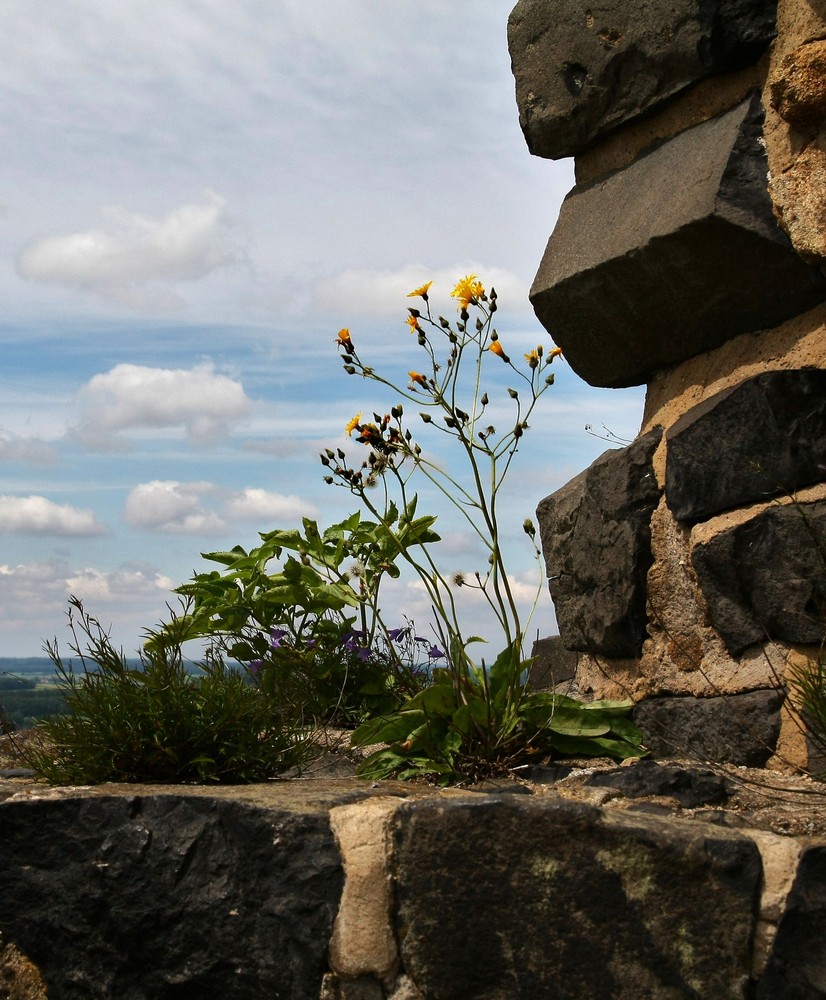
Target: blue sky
195,196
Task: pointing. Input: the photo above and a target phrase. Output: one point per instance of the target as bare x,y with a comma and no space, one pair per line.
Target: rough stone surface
800,193
362,942
582,70
19,979
797,966
750,442
552,664
671,257
690,786
765,577
571,903
736,729
798,86
161,897
595,537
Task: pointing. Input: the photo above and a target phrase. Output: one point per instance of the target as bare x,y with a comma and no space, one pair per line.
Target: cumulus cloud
260,505
36,515
133,260
134,397
34,451
172,507
33,599
383,293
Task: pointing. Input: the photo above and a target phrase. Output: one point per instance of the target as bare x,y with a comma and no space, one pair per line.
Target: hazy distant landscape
28,690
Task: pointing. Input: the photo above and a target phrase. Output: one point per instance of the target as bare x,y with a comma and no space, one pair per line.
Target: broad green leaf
576,722
390,729
438,699
476,711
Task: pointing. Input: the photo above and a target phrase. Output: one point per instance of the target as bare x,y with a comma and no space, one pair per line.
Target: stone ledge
150,885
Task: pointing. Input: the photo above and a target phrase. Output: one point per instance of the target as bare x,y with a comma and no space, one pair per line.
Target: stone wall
689,257
625,883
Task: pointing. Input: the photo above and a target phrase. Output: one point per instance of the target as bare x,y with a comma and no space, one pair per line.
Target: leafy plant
158,723
474,718
301,611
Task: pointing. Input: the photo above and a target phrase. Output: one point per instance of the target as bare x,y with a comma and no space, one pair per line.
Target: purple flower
312,643
277,635
362,653
393,634
435,653
255,666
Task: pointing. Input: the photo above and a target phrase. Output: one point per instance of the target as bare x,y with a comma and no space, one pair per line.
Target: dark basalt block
583,70
672,256
763,437
596,540
766,578
568,902
167,896
740,729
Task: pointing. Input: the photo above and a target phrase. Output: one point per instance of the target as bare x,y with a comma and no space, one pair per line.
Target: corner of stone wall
689,256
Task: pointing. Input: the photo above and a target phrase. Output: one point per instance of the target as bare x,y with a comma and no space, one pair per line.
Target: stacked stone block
689,257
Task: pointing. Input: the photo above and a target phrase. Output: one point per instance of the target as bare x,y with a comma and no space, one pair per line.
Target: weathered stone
671,257
596,542
552,664
690,786
740,729
765,578
800,196
797,964
19,979
750,442
583,70
798,86
567,902
167,896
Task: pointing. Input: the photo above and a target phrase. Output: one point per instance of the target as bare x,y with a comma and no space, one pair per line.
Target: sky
195,196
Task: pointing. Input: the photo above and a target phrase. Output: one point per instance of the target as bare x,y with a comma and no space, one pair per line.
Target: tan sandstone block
362,942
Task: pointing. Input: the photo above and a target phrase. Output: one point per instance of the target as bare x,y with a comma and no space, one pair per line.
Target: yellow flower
352,425
416,377
555,353
413,323
532,357
343,338
498,350
468,290
421,290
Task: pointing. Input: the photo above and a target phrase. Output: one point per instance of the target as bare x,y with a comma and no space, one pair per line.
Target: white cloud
383,293
172,507
14,448
36,515
133,397
260,506
133,260
33,599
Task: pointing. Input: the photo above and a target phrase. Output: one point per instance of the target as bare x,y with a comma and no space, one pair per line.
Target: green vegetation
302,612
159,722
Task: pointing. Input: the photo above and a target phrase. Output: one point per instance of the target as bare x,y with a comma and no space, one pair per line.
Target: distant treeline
21,706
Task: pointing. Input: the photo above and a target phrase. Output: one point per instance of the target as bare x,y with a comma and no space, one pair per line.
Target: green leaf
438,699
576,722
388,729
474,711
